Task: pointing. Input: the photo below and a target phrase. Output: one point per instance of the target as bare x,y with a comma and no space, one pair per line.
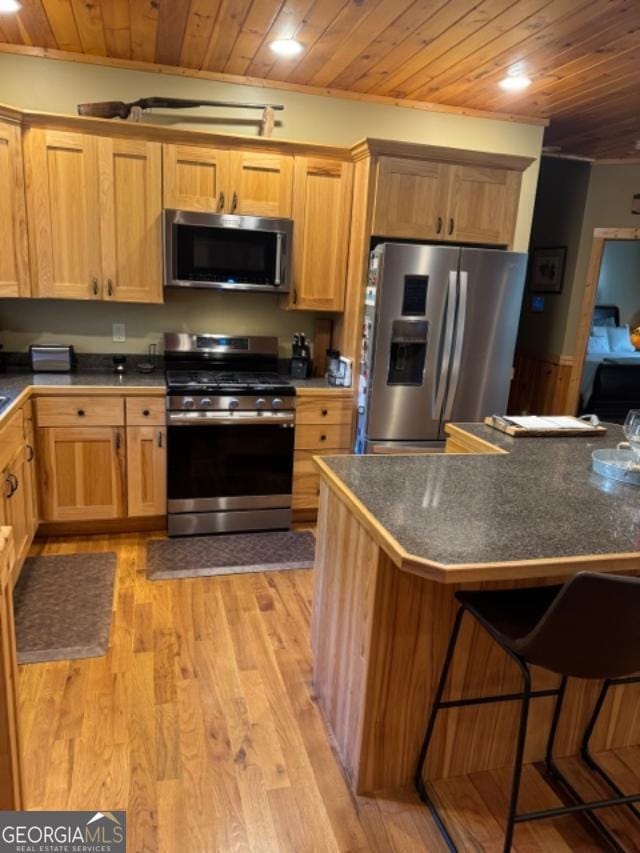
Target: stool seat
509,614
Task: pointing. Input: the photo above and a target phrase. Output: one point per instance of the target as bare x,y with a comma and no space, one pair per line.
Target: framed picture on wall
547,269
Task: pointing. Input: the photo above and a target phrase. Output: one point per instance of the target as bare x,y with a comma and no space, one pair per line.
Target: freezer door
489,301
412,340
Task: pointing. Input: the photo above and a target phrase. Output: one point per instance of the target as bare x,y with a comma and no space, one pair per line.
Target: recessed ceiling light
9,6
285,47
516,80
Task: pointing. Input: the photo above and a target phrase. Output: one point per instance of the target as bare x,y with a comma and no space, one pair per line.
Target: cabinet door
17,506
195,178
261,184
81,473
130,216
11,793
411,198
146,470
64,226
483,205
14,257
322,215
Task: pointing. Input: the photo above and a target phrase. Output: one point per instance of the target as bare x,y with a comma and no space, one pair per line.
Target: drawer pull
146,412
80,413
8,482
160,440
31,453
323,438
325,412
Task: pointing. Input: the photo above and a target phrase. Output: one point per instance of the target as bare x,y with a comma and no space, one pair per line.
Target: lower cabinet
11,795
323,427
146,470
82,473
110,470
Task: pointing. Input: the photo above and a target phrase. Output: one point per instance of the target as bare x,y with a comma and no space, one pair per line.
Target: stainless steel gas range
231,421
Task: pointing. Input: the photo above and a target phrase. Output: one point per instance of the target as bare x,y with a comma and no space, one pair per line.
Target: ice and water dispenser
409,335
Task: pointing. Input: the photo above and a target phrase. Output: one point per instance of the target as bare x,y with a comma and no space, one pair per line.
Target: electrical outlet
118,332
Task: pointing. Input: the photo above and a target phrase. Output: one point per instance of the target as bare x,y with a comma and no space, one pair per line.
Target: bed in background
610,378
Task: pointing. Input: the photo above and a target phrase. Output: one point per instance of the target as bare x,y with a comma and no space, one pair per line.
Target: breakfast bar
397,537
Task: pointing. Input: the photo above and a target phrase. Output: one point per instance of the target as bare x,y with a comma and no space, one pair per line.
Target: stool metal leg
517,766
585,752
437,700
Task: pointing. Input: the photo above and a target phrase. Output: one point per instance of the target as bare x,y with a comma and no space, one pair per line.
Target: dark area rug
63,606
229,554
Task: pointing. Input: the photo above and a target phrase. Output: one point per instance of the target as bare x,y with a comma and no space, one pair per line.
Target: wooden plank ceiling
582,55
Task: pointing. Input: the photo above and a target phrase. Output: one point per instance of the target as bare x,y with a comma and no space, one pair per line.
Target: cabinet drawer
323,410
323,436
146,411
11,437
79,411
306,478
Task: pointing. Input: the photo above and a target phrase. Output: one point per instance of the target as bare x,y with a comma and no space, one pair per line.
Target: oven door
227,252
219,462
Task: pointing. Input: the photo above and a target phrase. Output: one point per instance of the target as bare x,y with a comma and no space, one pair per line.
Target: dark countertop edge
456,573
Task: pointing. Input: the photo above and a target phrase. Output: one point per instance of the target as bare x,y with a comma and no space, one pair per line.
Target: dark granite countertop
13,383
539,501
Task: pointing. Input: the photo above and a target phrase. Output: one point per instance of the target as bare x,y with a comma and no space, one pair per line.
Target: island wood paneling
379,637
447,55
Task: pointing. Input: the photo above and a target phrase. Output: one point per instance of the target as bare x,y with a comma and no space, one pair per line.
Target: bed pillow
620,339
598,346
599,332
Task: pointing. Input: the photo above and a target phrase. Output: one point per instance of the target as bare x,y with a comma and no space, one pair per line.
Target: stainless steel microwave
227,252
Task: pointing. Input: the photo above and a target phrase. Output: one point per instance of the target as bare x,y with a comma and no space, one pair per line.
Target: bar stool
588,628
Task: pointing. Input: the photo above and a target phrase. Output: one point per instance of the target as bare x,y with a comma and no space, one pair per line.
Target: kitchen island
397,536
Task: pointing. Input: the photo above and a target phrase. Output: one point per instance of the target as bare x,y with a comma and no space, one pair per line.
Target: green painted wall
56,86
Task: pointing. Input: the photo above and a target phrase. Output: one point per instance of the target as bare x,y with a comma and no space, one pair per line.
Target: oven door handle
226,419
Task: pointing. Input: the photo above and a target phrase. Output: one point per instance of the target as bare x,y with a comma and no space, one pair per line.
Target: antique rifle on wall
134,109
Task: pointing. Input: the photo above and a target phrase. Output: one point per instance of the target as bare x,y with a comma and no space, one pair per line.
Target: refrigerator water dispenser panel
408,354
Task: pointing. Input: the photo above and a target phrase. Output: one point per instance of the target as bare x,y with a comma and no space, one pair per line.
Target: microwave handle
278,275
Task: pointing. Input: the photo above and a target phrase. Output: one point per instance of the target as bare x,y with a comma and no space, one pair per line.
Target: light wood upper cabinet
261,184
81,473
130,219
14,256
428,200
146,470
483,204
64,223
321,213
196,178
411,198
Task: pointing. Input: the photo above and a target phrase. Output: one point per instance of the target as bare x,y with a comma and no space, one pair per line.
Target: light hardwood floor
201,723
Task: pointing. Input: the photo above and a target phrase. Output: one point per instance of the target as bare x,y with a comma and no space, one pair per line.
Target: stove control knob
261,403
205,403
277,403
188,403
234,404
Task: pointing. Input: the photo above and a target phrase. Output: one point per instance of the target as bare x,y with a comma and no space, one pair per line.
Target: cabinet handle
94,286
146,412
160,439
80,413
451,226
325,412
221,201
7,482
234,202
31,453
439,225
323,438
295,296
110,287
118,440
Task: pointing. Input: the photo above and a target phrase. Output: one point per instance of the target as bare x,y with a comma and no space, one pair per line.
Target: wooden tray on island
516,431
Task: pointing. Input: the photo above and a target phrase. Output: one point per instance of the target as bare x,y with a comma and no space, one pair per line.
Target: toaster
51,359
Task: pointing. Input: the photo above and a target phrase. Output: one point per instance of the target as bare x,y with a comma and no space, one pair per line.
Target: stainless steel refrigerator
439,334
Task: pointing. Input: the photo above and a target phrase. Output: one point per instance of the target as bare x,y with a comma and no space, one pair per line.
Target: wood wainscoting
540,385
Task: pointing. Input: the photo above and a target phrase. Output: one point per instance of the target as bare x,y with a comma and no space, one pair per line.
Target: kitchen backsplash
88,325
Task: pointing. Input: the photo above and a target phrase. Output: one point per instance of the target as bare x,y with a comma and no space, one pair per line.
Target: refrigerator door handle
447,346
457,347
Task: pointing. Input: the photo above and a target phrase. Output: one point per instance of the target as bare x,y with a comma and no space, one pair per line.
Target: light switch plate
118,332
